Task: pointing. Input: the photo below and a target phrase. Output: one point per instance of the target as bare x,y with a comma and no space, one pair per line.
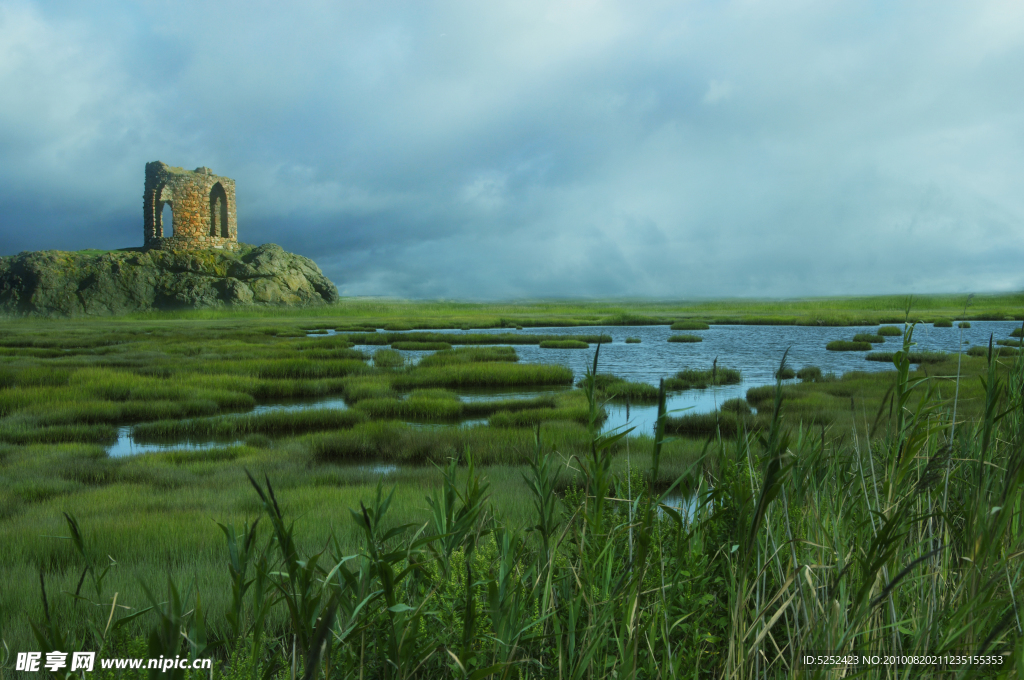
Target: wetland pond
754,350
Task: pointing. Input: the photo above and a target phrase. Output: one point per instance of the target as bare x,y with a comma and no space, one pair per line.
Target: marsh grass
809,374
868,337
375,313
890,331
981,351
111,412
332,354
388,358
418,408
267,390
273,423
633,341
32,375
370,338
695,378
396,442
421,346
848,346
763,396
727,424
563,344
862,515
329,342
532,417
442,406
356,329
690,325
827,401
467,355
963,324
293,369
739,406
808,406
943,323
631,319
685,338
785,373
915,357
429,393
18,433
620,389
483,409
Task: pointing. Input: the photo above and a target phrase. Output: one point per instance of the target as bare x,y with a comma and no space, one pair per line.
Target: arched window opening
218,211
166,220
163,211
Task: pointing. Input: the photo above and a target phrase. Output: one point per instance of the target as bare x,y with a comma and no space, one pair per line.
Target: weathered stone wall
203,207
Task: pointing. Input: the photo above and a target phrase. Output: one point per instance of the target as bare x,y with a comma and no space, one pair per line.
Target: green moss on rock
104,283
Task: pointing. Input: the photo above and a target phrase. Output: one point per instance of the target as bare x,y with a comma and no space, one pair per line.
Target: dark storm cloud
482,150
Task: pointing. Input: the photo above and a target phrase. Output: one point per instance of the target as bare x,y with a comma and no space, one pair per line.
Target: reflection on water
469,422
643,417
684,505
303,405
127,446
379,469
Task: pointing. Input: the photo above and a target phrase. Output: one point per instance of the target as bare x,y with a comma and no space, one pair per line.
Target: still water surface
754,350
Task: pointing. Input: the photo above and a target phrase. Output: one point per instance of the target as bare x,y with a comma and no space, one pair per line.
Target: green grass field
372,313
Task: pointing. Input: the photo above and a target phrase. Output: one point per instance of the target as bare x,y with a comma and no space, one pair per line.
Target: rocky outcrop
95,283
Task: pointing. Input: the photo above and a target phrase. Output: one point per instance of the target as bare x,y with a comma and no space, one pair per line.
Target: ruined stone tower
202,205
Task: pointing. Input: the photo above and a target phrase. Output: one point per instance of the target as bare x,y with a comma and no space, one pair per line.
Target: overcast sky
483,150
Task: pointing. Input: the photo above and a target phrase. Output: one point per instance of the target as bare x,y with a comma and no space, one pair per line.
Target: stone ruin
202,205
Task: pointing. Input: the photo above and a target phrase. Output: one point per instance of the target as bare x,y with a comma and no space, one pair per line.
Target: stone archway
164,203
219,211
167,219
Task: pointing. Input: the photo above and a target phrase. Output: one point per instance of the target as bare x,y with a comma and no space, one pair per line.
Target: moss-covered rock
96,283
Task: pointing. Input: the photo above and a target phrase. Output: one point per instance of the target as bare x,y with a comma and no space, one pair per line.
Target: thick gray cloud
518,149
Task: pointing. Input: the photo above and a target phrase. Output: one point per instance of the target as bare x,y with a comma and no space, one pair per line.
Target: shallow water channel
754,350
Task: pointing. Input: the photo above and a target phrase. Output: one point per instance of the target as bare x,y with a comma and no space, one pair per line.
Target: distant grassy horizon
403,314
